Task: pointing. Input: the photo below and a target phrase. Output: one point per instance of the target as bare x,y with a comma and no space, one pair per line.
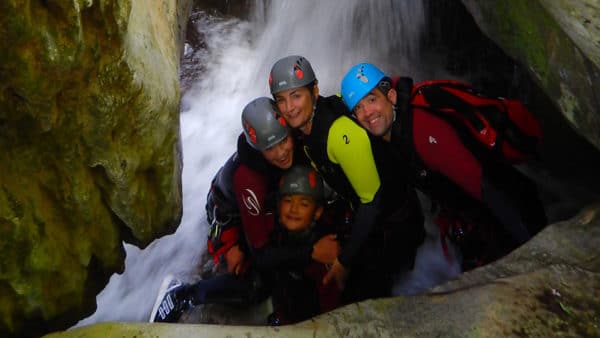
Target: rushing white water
237,58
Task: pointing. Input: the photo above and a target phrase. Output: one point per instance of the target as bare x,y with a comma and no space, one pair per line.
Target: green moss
574,311
568,104
524,29
14,204
70,100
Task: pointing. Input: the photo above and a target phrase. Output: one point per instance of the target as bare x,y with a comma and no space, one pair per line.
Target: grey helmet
291,72
263,125
302,180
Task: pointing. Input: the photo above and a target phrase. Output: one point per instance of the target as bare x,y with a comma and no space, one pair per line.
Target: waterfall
234,68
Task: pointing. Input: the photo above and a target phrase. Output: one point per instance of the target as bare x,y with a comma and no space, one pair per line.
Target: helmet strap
394,110
312,116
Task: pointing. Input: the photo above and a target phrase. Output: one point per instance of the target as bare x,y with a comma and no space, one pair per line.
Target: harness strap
444,226
218,246
223,234
452,227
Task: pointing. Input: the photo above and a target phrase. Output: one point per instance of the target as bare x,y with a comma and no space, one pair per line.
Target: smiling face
296,106
297,212
281,154
375,112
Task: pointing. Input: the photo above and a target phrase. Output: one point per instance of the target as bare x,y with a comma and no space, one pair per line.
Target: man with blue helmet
436,155
385,231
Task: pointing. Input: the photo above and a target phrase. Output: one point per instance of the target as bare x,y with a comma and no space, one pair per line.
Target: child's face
297,212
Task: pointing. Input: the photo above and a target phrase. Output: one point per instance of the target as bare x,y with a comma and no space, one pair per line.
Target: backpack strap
402,131
440,99
493,127
474,129
437,186
404,88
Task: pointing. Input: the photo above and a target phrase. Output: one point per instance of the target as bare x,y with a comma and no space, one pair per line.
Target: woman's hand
234,257
326,249
337,272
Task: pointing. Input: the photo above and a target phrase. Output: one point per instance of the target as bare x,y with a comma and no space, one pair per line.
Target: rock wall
559,42
89,132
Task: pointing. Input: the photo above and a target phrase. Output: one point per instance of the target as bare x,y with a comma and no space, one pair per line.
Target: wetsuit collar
302,235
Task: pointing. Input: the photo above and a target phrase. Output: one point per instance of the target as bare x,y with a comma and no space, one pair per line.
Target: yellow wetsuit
348,145
341,151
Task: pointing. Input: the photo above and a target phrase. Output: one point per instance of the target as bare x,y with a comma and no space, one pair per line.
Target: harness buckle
217,225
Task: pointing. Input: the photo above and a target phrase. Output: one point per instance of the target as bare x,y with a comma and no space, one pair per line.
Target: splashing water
237,59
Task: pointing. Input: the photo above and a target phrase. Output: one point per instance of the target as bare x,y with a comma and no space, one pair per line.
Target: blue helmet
360,81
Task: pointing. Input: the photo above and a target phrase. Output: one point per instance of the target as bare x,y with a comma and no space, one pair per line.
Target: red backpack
503,126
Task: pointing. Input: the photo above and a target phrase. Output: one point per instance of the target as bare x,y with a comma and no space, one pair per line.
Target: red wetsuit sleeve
441,149
251,192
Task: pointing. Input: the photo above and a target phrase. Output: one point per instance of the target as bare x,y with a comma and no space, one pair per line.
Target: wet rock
559,42
89,132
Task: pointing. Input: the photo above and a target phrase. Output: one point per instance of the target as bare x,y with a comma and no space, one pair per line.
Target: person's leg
228,289
370,273
367,282
403,233
171,302
176,298
295,298
514,200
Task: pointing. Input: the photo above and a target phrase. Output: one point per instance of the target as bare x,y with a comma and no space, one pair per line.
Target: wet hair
311,86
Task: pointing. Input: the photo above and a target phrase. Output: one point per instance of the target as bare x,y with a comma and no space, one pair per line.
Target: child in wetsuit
299,292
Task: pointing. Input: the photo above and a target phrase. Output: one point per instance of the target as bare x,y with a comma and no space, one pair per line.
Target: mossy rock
559,43
89,131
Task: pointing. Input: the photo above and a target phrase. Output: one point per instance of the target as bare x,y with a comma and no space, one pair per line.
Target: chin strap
312,116
393,120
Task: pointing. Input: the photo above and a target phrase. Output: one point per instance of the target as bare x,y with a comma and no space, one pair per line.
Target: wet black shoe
171,301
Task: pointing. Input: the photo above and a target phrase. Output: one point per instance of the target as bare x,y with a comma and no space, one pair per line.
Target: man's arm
349,146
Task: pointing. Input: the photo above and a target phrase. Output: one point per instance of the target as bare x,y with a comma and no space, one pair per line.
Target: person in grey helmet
298,290
387,225
241,213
